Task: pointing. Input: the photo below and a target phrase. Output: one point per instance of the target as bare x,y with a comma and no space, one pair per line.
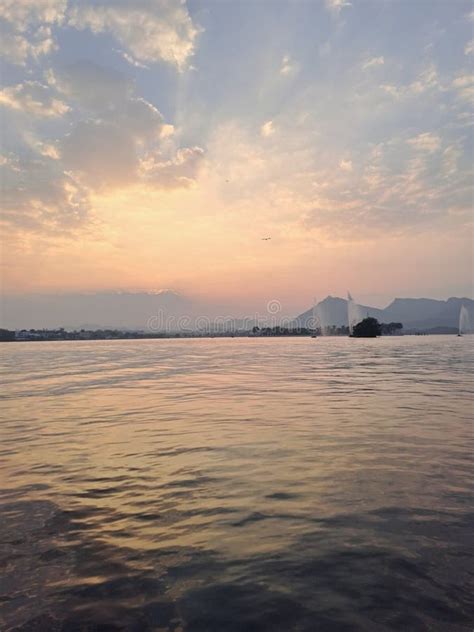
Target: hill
333,311
416,314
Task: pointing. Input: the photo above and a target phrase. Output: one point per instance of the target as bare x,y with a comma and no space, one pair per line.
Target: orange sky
143,163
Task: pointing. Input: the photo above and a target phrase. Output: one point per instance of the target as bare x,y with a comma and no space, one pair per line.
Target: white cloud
45,148
167,130
150,30
345,165
464,85
17,48
124,139
451,157
373,62
426,81
111,97
267,129
469,48
48,178
288,67
23,12
25,29
33,98
426,142
393,90
179,171
335,6
105,152
37,195
49,150
132,61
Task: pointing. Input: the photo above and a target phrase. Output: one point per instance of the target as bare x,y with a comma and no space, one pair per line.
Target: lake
289,484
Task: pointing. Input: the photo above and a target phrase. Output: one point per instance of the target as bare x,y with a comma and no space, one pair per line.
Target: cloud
49,150
391,192
132,61
25,28
180,171
38,195
399,191
267,129
142,120
106,153
451,157
373,62
288,67
335,6
150,30
109,95
34,99
167,130
426,142
115,132
417,198
91,86
17,48
122,140
22,13
101,154
49,172
426,81
469,48
345,165
464,86
44,147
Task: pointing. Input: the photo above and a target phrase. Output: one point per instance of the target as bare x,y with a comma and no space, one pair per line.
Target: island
367,328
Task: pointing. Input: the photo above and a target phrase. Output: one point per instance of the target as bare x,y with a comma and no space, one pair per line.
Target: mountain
333,311
446,316
416,314
166,310
155,311
133,310
412,309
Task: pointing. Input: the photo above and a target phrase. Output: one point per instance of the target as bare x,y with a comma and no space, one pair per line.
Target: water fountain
464,325
353,313
314,317
322,318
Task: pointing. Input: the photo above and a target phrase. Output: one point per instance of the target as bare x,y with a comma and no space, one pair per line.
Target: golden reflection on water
243,449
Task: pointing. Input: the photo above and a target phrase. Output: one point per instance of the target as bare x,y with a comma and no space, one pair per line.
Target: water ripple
238,485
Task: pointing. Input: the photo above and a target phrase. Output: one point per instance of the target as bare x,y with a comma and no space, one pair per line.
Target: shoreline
197,336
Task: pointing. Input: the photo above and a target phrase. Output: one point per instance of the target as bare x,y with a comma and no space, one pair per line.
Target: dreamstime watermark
272,318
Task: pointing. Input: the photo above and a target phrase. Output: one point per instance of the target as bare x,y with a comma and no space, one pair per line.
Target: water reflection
237,485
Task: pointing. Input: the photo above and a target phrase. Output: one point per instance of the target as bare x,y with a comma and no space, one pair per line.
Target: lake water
230,485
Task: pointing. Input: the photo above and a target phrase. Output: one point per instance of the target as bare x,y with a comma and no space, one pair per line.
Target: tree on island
389,329
367,328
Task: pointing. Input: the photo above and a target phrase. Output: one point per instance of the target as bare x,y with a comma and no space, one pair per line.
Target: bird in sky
266,238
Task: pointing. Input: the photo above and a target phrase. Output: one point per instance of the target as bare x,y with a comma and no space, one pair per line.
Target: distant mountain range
124,310
417,314
167,310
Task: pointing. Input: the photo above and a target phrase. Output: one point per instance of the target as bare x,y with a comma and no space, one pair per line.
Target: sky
153,144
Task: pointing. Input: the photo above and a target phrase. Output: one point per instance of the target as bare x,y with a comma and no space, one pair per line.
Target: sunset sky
152,144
